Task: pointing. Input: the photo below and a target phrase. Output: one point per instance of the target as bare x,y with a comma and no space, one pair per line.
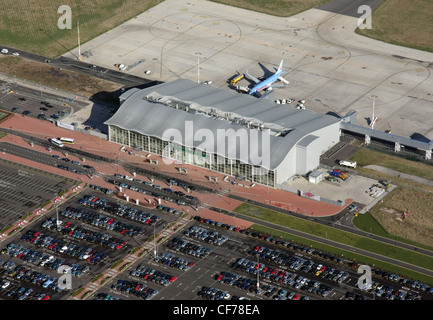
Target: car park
173,261
140,290
211,293
274,270
64,247
206,235
190,248
121,210
152,275
102,221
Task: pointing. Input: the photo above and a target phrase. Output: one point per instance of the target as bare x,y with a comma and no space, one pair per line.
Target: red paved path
45,130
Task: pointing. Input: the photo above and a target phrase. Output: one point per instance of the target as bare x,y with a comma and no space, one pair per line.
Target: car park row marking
130,258
111,273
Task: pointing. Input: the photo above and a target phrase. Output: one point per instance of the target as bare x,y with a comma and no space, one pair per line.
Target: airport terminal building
235,134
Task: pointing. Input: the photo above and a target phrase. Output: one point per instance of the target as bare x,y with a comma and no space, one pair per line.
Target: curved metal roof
219,113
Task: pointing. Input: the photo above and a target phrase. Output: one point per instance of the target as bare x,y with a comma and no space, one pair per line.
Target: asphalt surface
349,7
24,189
23,100
42,157
47,144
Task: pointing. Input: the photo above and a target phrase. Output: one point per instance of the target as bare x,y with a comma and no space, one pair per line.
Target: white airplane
267,84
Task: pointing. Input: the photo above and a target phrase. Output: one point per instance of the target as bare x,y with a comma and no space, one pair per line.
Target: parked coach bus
67,140
57,142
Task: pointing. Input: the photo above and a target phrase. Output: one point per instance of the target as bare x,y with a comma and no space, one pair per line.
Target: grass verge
410,196
45,74
405,23
366,157
34,26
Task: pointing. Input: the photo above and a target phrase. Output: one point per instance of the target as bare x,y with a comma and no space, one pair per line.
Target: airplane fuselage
265,83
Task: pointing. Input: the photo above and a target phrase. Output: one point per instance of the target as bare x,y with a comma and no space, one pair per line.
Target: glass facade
195,157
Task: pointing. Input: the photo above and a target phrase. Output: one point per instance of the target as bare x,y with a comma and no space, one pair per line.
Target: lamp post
198,66
258,284
57,214
154,242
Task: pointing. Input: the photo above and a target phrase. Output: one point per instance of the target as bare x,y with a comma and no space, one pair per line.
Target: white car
5,284
4,51
16,54
147,71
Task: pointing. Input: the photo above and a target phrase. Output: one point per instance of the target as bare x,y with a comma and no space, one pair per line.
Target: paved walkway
399,174
46,130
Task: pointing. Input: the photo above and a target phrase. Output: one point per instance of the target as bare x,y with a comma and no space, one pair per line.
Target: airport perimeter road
88,69
340,245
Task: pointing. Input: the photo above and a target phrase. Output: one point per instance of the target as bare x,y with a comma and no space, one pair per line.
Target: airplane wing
253,78
269,95
283,85
257,94
283,80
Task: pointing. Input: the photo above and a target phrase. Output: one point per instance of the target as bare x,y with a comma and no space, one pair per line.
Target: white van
57,142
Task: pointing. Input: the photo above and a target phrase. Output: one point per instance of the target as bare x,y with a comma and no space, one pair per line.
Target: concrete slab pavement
333,69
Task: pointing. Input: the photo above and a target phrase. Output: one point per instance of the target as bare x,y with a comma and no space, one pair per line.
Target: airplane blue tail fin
281,66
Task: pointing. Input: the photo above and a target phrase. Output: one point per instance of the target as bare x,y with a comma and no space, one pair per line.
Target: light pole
258,271
154,63
198,66
154,242
57,214
373,118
